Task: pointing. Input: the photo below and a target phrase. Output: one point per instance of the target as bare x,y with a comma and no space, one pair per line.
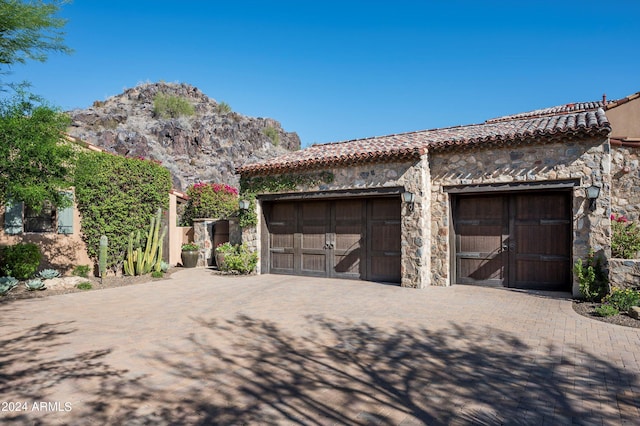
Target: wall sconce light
244,204
592,194
409,198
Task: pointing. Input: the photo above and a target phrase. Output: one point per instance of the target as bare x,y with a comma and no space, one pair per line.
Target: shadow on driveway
250,371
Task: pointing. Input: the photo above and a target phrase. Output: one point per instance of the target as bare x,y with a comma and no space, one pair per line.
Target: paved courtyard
204,349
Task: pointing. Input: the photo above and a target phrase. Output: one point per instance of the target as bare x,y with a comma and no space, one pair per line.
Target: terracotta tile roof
567,109
406,146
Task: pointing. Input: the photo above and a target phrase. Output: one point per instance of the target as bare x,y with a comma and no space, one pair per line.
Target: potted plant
221,251
190,254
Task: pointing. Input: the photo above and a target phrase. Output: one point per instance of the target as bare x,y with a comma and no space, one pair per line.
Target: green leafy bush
210,200
237,258
85,286
593,281
625,241
170,106
81,271
606,311
117,196
157,274
622,299
190,247
20,260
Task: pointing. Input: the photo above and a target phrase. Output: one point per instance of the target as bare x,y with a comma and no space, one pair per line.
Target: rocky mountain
204,147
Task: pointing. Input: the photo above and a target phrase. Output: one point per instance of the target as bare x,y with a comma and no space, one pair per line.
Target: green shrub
621,299
625,238
592,279
81,271
85,286
210,200
117,196
170,106
606,311
237,258
157,274
20,260
272,133
223,108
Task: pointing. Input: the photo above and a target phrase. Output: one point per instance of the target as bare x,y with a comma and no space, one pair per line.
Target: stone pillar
203,236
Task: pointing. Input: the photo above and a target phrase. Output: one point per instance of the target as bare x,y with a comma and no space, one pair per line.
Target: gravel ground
20,292
588,309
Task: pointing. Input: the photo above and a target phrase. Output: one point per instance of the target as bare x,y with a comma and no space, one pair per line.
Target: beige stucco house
58,233
503,203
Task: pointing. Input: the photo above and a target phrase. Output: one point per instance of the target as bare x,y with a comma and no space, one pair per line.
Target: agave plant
47,274
164,266
35,284
8,281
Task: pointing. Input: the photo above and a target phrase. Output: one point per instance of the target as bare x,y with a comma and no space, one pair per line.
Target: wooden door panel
346,239
480,232
541,229
384,240
281,223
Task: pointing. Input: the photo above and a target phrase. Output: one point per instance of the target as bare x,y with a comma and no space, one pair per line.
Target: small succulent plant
35,284
6,284
164,266
47,274
9,281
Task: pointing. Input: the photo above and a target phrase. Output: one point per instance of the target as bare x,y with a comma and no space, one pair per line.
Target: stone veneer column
203,236
416,229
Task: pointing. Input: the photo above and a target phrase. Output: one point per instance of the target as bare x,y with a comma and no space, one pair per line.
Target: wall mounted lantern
244,204
409,198
592,194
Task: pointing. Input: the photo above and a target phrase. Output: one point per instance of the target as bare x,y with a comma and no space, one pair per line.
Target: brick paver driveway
203,349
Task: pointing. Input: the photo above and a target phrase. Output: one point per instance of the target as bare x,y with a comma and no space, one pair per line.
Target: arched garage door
355,238
519,240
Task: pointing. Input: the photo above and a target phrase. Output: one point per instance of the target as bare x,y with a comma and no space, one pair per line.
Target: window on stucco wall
19,219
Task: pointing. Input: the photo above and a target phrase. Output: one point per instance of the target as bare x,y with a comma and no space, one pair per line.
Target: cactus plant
102,257
47,274
35,284
141,260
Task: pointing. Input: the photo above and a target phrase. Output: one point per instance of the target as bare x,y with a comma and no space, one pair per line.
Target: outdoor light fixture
409,198
244,204
592,194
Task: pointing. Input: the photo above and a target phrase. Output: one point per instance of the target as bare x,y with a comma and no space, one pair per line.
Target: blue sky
339,70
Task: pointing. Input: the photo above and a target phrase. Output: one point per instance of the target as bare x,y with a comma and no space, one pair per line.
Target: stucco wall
625,119
415,238
587,161
59,251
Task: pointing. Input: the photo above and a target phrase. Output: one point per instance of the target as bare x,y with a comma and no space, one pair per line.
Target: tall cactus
141,260
102,256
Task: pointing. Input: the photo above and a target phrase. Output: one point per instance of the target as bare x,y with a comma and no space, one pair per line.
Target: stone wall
624,273
625,172
587,161
416,235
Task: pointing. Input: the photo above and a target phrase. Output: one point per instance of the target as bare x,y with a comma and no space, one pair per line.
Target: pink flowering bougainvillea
210,200
625,238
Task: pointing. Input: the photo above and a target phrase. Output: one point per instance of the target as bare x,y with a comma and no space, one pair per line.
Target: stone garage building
502,203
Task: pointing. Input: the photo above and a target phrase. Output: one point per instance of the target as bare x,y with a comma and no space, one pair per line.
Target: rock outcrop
204,147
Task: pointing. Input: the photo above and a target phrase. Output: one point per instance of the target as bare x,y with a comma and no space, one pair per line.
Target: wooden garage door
355,238
520,240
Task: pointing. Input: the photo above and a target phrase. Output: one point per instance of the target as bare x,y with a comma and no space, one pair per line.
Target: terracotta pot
220,261
189,258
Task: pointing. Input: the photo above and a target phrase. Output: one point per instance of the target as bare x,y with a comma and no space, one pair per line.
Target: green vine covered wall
251,186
